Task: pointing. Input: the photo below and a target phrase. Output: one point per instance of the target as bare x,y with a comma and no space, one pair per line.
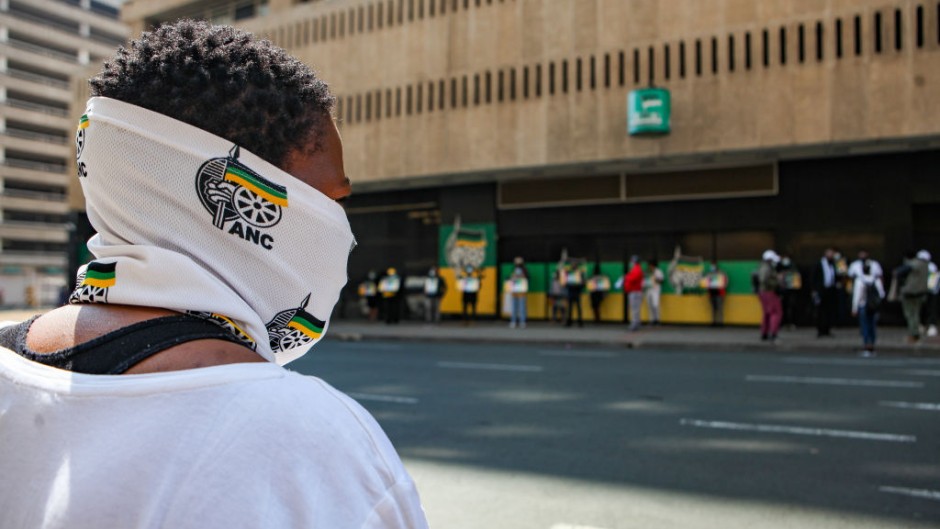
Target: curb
920,350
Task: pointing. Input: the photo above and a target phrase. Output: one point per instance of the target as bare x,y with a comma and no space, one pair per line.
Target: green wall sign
648,112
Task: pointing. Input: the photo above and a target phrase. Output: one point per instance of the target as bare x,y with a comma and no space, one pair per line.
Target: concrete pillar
84,29
84,57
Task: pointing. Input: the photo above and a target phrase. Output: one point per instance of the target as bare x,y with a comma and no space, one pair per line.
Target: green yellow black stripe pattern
244,177
304,322
100,275
83,122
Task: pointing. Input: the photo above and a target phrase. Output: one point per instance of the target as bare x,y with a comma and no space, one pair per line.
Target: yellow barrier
740,309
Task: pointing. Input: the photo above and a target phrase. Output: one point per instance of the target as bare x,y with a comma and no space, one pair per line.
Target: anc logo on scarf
80,145
243,199
80,135
294,328
94,282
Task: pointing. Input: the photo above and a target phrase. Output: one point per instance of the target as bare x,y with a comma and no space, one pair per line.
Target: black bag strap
116,352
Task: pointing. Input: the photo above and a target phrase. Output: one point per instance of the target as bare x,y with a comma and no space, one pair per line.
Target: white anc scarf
188,221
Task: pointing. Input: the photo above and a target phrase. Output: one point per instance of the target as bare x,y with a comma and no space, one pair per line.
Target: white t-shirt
856,269
232,446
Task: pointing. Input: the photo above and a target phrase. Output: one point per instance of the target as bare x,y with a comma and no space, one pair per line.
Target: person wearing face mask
574,286
390,289
519,293
598,286
913,277
791,283
769,284
434,289
825,293
369,291
868,291
469,283
211,169
716,282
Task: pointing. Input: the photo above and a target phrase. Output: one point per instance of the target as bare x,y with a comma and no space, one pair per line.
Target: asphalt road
509,436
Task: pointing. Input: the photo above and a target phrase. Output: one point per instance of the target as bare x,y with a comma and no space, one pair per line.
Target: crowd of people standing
837,288
914,284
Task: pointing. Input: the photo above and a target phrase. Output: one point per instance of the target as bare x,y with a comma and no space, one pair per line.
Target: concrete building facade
43,44
795,124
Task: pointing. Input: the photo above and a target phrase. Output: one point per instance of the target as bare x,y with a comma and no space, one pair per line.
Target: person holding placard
519,292
389,287
598,286
434,289
716,282
469,285
652,289
369,291
574,284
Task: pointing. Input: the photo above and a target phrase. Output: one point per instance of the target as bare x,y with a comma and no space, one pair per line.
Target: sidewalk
847,339
801,340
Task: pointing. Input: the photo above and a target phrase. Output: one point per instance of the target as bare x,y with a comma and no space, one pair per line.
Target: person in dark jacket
825,293
390,288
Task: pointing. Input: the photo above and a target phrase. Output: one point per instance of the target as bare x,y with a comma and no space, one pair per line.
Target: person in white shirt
867,294
855,269
211,170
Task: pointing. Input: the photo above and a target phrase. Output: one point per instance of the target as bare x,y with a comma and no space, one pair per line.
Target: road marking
916,493
926,406
383,398
375,346
879,362
920,372
579,354
490,367
835,381
799,430
569,526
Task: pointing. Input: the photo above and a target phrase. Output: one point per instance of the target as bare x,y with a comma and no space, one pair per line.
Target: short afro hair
224,81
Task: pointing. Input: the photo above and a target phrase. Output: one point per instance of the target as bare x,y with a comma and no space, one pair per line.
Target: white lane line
490,367
383,398
799,430
375,346
569,526
916,493
835,381
859,362
925,406
578,354
920,372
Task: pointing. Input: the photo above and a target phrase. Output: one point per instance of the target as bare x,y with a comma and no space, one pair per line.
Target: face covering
189,222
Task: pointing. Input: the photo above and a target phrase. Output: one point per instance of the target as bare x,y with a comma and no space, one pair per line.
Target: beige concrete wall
848,99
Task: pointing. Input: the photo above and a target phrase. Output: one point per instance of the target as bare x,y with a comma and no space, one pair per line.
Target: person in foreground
211,168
